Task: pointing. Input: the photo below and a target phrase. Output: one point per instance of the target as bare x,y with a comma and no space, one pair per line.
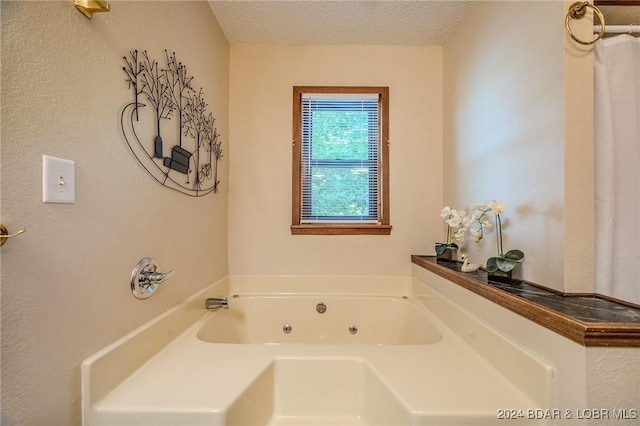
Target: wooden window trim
383,227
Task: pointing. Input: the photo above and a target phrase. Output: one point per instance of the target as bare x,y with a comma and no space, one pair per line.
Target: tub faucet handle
145,278
154,277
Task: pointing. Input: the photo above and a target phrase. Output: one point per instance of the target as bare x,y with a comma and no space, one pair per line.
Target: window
340,160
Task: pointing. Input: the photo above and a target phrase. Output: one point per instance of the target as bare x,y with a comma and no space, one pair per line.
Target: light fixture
89,7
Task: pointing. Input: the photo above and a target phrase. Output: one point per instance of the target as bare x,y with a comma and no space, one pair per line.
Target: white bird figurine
468,267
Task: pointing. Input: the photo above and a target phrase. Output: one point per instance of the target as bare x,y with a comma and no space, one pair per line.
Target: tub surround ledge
588,319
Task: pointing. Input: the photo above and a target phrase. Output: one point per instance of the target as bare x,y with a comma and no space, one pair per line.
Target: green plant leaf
514,255
505,265
492,264
441,248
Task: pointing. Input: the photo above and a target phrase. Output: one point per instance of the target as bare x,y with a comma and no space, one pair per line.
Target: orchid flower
479,222
455,220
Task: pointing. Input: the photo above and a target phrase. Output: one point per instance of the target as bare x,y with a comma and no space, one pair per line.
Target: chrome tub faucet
214,303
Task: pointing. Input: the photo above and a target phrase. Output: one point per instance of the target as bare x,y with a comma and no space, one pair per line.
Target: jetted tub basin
294,350
364,320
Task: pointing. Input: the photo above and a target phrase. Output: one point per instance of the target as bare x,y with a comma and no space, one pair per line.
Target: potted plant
447,251
498,267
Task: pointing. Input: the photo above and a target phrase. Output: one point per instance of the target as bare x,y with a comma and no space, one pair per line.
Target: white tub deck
193,382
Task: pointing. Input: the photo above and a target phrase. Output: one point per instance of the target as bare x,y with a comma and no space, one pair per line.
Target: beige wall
613,382
579,168
262,77
65,283
517,128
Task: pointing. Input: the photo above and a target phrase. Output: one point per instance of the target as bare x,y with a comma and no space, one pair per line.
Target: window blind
340,144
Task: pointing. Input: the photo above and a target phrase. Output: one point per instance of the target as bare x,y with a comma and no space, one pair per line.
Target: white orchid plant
479,221
455,228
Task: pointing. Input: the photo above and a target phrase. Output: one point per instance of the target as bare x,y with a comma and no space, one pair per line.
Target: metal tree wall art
192,166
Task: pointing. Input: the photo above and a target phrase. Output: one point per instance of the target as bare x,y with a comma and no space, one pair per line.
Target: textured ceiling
396,22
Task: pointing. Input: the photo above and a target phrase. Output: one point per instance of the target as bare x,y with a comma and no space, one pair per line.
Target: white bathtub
368,320
415,359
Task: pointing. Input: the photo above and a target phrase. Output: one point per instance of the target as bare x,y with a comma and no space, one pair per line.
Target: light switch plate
58,180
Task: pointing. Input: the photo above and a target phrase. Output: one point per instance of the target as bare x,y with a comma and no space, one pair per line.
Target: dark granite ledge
590,320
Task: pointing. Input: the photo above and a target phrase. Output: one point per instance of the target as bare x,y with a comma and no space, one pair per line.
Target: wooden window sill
588,319
340,229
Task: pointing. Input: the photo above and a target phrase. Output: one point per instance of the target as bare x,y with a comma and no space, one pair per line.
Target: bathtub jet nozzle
215,303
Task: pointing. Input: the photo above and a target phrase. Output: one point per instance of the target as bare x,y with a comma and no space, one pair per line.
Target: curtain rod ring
577,11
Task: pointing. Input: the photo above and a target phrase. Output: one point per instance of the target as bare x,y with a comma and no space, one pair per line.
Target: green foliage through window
340,158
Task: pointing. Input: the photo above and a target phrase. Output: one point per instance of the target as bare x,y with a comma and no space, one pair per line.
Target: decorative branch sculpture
196,126
180,86
133,69
167,90
156,87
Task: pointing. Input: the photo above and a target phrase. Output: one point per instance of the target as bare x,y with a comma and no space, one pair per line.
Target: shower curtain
617,167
